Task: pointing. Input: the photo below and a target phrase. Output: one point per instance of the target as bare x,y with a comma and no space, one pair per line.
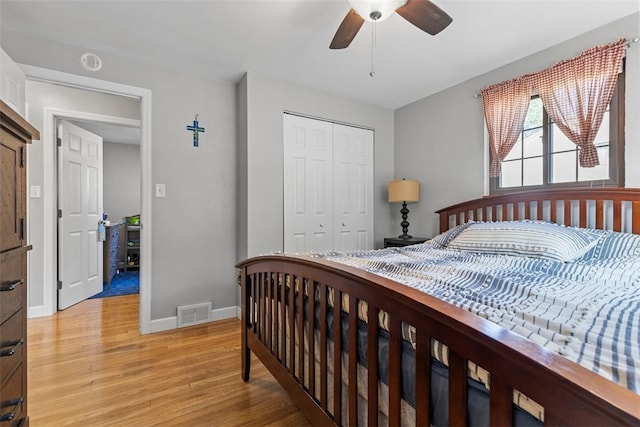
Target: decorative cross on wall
195,129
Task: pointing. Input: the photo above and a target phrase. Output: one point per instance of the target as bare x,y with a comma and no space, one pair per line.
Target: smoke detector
91,61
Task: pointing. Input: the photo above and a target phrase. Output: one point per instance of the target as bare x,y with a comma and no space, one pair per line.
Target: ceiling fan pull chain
372,73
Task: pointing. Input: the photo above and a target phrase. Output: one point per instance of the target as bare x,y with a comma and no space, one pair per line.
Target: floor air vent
193,314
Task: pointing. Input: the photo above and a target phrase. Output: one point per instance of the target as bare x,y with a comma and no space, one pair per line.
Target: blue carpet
125,283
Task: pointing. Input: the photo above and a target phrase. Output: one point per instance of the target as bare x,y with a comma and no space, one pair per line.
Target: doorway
50,114
116,197
71,288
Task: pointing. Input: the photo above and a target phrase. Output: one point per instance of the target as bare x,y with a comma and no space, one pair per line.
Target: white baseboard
223,313
157,325
37,311
168,323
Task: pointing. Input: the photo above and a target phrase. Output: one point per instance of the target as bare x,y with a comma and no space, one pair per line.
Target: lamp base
404,224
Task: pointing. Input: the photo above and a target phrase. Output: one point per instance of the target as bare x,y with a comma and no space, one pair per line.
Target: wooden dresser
15,134
111,251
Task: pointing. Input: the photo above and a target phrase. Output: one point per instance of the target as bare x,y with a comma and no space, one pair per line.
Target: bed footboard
288,299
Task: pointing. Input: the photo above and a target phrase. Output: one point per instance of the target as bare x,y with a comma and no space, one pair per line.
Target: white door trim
48,193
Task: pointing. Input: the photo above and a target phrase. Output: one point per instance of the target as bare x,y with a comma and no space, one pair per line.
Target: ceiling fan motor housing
376,10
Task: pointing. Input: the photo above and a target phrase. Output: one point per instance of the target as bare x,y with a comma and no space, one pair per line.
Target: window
544,157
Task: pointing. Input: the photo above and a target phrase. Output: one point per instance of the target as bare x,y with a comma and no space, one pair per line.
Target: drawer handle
11,415
12,350
11,285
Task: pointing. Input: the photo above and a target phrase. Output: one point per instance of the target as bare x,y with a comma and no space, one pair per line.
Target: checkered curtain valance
575,93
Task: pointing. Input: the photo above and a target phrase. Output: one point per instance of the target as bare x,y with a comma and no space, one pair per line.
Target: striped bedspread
587,310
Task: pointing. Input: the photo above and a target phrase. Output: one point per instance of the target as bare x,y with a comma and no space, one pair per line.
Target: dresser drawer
12,396
111,252
114,233
11,345
113,257
12,282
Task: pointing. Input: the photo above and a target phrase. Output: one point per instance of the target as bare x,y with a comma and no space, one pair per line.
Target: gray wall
440,139
261,155
194,226
121,180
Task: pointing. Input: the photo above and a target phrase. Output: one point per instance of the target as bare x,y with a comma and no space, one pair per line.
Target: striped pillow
614,245
443,239
525,238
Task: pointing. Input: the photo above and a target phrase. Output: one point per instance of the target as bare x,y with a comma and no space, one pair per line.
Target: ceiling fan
421,13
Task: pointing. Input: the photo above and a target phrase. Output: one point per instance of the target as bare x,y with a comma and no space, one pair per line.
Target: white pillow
525,238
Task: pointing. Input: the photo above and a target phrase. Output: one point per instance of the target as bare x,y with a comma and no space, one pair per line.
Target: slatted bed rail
278,319
602,208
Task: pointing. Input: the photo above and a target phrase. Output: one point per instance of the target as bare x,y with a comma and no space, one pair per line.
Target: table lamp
405,191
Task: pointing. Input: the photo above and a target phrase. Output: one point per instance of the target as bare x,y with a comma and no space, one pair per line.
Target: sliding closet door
352,188
328,186
308,174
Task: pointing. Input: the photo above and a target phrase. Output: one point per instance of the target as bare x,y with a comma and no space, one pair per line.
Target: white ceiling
111,132
289,39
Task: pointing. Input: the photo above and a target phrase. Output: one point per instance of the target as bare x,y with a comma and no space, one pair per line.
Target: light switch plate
34,192
160,190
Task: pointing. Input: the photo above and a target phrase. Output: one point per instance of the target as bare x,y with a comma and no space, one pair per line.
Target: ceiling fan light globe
376,10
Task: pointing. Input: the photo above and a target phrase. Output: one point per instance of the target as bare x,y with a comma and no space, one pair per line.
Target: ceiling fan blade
425,15
347,30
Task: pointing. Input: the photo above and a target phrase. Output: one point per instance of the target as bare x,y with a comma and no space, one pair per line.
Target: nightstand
396,242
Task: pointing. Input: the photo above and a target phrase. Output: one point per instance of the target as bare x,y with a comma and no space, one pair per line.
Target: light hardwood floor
89,366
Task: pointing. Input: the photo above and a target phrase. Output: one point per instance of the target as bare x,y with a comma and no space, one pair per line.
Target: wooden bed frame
569,393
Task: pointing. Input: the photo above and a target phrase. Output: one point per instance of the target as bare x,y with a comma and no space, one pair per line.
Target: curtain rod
626,46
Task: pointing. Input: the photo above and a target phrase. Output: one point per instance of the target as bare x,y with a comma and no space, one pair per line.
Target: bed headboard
615,209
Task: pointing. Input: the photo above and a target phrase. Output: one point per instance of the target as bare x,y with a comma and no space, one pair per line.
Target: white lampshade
404,190
365,8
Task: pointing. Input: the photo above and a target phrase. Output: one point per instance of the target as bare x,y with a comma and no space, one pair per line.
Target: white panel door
80,202
353,188
308,210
